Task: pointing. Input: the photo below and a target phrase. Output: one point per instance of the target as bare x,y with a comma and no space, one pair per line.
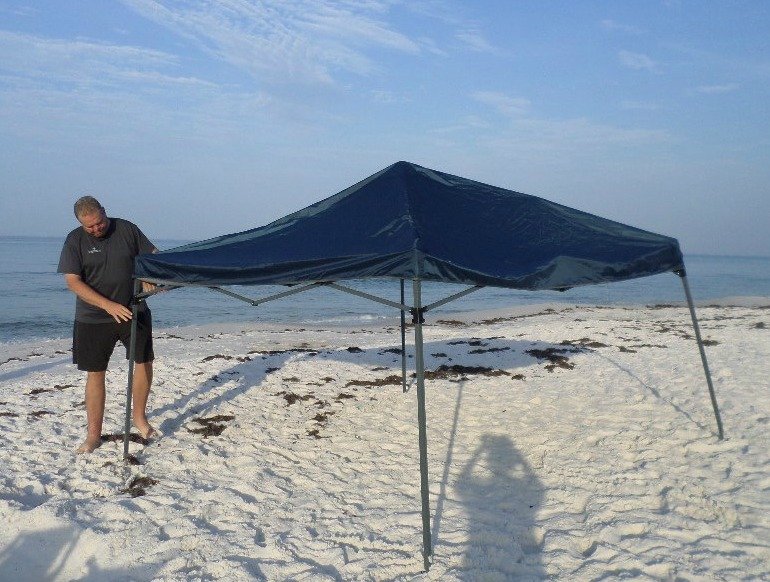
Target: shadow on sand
57,554
501,496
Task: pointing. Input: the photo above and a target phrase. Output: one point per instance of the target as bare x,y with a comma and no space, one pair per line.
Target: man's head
91,215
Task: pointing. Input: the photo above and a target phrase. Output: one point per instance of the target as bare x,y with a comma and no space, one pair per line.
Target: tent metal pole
369,296
452,297
131,360
403,341
427,550
256,302
683,276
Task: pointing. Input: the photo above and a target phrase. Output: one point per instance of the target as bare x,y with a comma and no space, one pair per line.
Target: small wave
28,329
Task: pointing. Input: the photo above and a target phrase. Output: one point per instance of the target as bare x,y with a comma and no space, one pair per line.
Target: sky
199,118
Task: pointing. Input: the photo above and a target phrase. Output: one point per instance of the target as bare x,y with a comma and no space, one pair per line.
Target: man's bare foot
89,445
145,430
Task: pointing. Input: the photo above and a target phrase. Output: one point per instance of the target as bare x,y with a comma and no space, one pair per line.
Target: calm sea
34,302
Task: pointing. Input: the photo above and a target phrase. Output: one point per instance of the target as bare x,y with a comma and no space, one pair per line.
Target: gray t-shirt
105,264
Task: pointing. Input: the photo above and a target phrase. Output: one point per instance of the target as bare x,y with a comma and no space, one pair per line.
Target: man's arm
86,293
148,287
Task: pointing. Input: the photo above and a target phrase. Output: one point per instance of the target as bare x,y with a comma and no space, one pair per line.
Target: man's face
95,223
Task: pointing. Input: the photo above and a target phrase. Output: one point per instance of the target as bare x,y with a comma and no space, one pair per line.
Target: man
98,264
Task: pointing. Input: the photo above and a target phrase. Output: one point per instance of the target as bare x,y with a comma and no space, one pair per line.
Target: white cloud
80,91
525,134
715,89
76,61
636,61
475,40
638,105
503,103
389,97
611,25
306,41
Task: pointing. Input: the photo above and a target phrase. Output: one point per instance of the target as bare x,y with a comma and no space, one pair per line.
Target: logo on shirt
93,250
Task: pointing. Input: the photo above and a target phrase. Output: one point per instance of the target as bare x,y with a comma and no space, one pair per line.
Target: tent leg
131,359
695,326
403,341
427,550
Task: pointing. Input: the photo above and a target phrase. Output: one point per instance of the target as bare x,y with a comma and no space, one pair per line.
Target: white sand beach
578,443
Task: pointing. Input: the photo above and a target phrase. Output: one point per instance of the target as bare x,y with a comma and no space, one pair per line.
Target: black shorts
92,343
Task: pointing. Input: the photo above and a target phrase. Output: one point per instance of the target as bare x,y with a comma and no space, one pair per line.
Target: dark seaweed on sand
138,485
212,425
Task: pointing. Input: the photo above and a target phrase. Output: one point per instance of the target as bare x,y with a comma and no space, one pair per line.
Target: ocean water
35,303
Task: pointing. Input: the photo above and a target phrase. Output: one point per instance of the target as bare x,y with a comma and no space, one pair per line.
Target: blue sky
197,118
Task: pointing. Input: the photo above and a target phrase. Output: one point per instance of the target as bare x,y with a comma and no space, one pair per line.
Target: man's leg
94,411
141,393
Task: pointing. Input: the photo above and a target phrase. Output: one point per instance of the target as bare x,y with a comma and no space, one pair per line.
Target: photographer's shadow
501,496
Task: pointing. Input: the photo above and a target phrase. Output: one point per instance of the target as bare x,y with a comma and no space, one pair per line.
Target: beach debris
584,342
279,352
224,357
759,325
118,437
320,419
10,414
555,356
393,380
12,360
439,355
391,351
485,350
39,413
451,323
137,486
211,426
627,350
343,396
458,372
548,311
355,350
56,387
291,398
132,460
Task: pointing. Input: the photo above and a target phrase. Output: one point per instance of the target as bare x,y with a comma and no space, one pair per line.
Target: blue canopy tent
410,222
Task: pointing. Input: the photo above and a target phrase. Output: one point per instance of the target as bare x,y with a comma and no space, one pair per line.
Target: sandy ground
570,443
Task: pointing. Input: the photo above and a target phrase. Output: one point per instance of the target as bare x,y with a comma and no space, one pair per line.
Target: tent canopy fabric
408,222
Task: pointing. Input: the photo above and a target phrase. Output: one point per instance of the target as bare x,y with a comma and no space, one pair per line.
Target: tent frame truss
417,311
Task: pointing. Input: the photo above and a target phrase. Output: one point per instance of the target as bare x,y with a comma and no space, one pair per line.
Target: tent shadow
495,354
655,392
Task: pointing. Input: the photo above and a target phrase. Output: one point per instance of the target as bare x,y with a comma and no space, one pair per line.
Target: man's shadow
501,496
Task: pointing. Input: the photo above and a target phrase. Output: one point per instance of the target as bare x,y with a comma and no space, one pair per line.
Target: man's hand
118,312
148,287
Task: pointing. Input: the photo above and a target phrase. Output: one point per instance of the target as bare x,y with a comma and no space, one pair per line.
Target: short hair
87,205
